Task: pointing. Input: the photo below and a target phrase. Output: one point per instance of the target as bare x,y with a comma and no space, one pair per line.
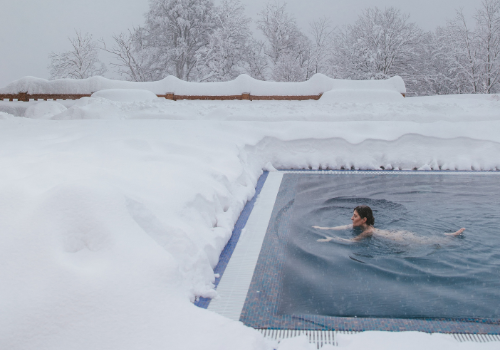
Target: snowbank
4,115
366,96
418,109
14,108
44,110
318,83
110,228
125,95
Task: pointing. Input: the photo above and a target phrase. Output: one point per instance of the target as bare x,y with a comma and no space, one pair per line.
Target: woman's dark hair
365,211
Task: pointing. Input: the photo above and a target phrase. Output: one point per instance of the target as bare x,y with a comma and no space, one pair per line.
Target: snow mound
44,110
4,115
125,95
316,85
362,96
16,109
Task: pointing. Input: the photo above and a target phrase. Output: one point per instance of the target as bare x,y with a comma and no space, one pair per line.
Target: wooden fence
23,96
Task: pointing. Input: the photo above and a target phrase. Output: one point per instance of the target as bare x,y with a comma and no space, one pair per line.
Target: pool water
417,272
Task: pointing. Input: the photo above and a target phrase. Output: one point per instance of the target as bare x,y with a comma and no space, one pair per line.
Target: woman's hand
321,228
326,239
459,232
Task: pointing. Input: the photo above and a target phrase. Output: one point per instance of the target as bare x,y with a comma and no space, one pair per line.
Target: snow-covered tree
176,30
257,64
378,45
434,72
225,55
472,52
294,65
488,34
288,48
462,48
79,63
198,41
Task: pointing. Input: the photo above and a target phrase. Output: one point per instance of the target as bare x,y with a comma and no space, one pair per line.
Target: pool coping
228,250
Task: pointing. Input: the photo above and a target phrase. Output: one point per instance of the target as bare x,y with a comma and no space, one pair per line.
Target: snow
318,83
405,340
453,108
113,214
297,343
125,95
44,110
361,96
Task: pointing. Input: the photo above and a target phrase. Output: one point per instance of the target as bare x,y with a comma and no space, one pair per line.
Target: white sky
31,29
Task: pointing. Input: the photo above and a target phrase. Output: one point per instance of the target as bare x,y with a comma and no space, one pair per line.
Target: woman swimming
362,217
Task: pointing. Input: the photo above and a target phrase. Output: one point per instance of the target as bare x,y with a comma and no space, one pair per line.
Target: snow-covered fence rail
243,96
241,88
24,96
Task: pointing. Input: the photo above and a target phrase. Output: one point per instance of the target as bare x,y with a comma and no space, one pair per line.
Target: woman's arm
328,239
459,232
336,228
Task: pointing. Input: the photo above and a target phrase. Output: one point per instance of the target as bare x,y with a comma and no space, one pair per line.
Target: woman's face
357,220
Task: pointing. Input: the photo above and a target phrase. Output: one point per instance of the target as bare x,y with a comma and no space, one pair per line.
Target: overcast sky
31,29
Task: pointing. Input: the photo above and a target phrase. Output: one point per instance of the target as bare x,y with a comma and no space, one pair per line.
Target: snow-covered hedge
318,84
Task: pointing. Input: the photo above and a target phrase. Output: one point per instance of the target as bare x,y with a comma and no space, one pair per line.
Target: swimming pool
413,272
419,283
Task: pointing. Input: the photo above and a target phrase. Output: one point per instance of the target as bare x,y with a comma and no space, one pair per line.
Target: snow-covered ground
113,214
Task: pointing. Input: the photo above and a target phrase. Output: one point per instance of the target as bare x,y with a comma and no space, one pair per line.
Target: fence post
170,96
23,96
245,96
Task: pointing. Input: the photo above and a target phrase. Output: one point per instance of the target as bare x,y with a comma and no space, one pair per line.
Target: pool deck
249,272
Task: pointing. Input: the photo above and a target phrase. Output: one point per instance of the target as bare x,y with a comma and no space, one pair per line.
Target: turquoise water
417,272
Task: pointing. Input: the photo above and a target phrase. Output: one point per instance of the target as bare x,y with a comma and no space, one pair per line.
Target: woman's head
363,212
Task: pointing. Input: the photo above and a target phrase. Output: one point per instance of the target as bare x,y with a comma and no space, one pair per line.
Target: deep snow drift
113,214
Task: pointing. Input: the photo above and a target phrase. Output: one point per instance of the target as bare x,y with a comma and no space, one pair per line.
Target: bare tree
322,37
133,57
79,63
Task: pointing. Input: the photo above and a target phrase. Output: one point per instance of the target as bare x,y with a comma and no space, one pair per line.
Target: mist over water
417,272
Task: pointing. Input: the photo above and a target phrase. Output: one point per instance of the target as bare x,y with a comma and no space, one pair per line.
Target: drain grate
321,338
476,338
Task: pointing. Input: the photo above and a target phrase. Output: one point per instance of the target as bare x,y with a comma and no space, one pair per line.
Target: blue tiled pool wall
228,250
261,305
